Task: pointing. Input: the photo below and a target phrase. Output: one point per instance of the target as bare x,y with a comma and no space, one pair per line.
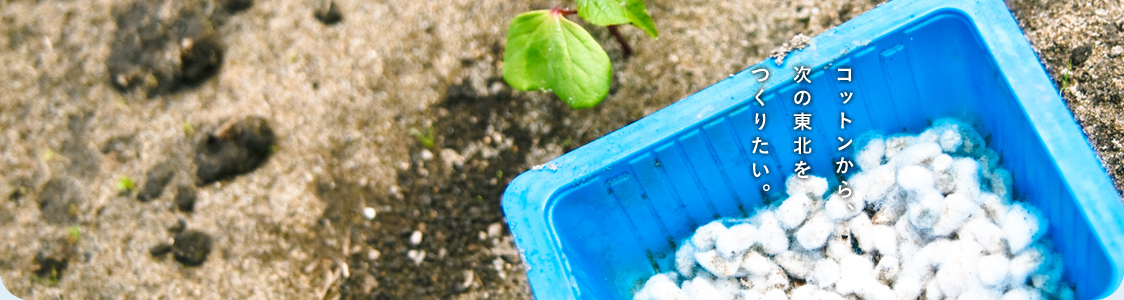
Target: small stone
178,227
156,179
495,229
236,5
185,198
416,255
1080,55
1116,51
160,249
329,15
426,154
191,248
234,149
369,213
415,238
373,254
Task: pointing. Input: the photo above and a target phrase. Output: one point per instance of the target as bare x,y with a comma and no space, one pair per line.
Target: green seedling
125,184
72,234
547,51
1066,74
425,139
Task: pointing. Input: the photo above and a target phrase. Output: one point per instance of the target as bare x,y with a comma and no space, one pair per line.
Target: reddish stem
557,10
620,39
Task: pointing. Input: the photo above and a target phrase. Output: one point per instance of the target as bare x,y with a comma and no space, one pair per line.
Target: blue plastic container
597,222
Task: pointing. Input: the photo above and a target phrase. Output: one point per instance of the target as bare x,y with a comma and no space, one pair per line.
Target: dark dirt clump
59,200
50,267
234,149
185,198
156,179
160,249
160,54
191,247
329,15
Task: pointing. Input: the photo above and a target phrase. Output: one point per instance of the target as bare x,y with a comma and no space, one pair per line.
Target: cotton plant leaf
545,50
614,12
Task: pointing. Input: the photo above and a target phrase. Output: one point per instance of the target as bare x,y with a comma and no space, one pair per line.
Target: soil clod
234,150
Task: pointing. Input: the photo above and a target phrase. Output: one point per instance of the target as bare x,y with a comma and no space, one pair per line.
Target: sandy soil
398,107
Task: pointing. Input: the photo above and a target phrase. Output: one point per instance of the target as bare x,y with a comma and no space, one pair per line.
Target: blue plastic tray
598,221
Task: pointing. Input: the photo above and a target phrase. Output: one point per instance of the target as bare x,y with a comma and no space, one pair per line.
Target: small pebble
369,213
415,238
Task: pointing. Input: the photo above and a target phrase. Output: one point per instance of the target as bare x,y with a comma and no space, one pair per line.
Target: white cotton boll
1048,277
839,244
839,208
916,154
736,240
804,292
988,160
885,240
924,214
861,228
660,287
777,279
981,294
994,206
994,270
706,235
909,286
933,290
793,211
907,234
967,174
876,183
981,230
796,264
916,179
750,295
825,273
815,232
771,236
775,294
813,186
1023,264
1023,225
829,295
858,266
1022,294
898,142
702,288
729,288
950,141
685,260
757,265
952,280
871,289
891,208
957,210
873,147
888,268
717,265
1000,181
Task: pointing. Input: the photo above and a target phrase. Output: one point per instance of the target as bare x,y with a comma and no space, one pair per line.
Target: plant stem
558,10
620,39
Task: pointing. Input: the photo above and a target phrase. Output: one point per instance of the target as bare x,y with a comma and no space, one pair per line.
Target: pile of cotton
930,216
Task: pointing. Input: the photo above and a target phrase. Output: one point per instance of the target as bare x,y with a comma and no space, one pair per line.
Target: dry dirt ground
396,106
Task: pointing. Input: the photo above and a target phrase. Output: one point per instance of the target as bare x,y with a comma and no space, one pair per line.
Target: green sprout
1066,74
72,234
427,138
125,184
547,51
